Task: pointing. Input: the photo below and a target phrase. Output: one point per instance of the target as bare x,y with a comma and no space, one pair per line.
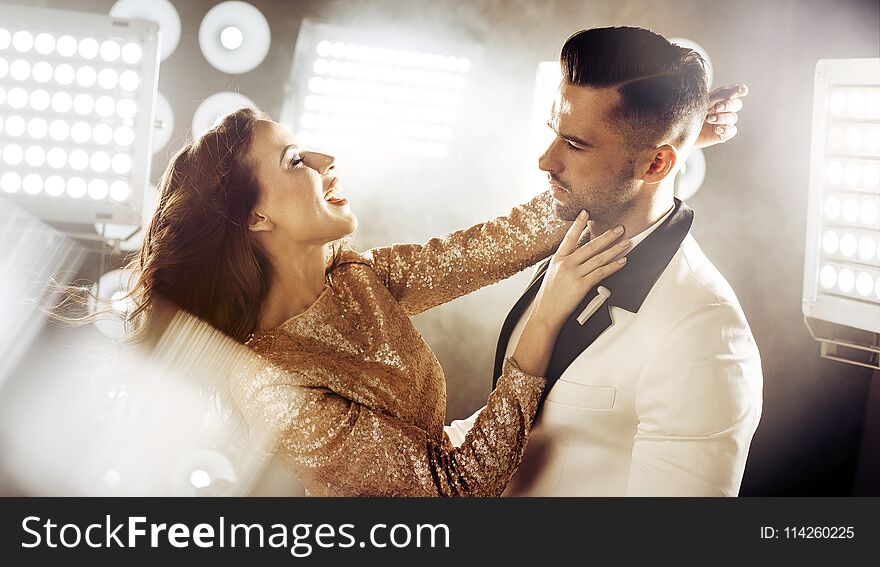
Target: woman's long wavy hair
197,255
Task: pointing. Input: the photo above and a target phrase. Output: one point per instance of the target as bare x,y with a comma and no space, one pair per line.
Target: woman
247,236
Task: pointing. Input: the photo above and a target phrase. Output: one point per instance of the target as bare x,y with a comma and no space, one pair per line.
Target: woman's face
300,198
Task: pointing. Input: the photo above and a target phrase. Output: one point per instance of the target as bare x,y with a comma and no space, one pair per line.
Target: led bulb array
68,105
849,240
401,101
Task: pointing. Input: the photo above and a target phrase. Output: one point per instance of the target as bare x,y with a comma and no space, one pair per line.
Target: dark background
750,212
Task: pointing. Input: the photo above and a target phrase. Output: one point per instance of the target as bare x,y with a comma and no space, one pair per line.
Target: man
659,378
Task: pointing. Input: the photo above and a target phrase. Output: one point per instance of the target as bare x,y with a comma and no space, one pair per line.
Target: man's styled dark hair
663,87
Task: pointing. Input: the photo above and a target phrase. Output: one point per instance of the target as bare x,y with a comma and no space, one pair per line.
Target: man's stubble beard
604,207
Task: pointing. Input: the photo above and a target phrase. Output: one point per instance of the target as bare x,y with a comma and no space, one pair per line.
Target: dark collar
631,285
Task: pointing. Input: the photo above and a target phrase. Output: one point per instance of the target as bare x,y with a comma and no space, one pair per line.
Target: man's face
590,165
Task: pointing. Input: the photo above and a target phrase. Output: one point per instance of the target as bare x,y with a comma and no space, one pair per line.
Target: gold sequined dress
353,396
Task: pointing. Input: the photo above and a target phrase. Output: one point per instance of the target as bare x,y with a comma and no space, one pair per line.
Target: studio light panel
842,265
76,104
374,93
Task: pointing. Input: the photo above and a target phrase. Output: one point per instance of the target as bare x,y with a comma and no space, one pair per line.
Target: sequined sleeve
424,276
341,448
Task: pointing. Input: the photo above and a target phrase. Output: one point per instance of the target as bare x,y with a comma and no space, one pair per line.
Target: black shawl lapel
629,287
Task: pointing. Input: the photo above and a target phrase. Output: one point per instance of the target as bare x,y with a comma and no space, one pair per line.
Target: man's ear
258,222
662,163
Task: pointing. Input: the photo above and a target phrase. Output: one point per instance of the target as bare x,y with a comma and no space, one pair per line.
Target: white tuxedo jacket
664,401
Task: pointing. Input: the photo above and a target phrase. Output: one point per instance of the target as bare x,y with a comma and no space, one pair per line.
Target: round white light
15,126
119,191
20,70
13,154
872,140
848,245
129,80
126,108
867,248
54,185
59,130
837,102
4,67
97,189
830,242
110,50
76,187
5,38
231,37
81,132
86,76
43,72
121,164
33,184
855,104
869,212
99,162
79,159
105,106
834,172
123,136
160,11
35,156
17,98
56,158
873,104
864,284
44,43
871,175
64,74
234,37
102,134
66,46
40,100
846,280
10,182
854,138
37,128
132,53
200,479
22,41
850,210
852,174
83,104
88,48
108,79
61,102
323,48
